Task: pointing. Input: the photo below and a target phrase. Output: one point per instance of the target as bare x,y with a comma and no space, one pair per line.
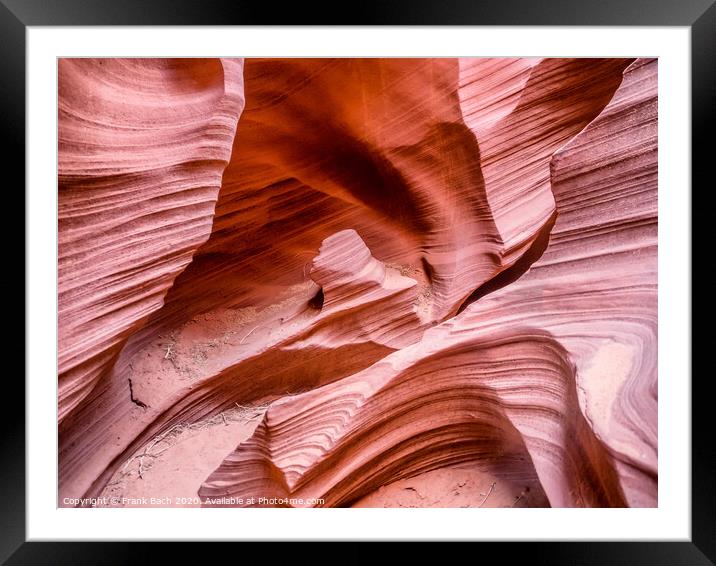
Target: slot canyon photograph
357,282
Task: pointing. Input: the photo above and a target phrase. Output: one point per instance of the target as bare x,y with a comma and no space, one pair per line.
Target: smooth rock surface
394,282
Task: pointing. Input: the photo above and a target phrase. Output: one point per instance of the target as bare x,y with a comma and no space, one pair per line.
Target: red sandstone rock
142,147
441,262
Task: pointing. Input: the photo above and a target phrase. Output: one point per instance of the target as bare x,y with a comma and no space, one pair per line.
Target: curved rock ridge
369,310
418,265
455,397
491,88
345,268
143,144
560,97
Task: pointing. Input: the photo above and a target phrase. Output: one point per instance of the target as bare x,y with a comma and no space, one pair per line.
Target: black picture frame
699,15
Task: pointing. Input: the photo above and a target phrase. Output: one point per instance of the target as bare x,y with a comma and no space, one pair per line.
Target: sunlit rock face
358,282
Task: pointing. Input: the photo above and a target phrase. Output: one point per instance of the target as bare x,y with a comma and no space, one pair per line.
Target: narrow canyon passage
358,282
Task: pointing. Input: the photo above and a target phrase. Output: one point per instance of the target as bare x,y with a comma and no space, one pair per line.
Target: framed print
421,276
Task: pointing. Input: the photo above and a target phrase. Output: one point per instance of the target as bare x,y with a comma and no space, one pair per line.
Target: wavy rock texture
419,264
505,401
142,147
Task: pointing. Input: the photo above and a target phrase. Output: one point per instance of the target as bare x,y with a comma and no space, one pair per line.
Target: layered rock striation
395,266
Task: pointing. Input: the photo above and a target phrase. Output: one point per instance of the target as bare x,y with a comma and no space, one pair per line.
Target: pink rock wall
414,264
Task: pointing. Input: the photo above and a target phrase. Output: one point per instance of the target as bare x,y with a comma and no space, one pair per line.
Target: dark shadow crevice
516,270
